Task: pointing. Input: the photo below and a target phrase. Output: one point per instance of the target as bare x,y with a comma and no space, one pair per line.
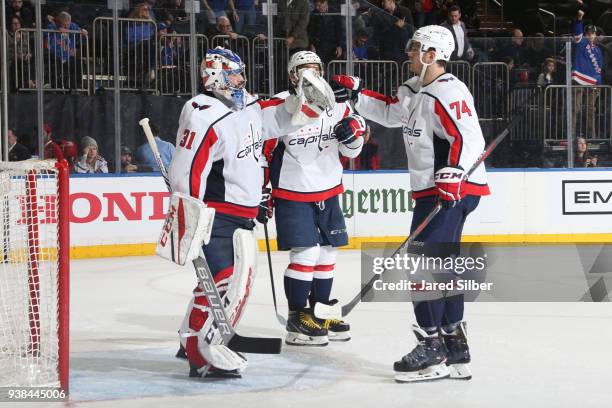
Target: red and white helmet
433,36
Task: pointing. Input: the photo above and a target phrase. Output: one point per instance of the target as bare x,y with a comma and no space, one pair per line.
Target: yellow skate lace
308,321
328,322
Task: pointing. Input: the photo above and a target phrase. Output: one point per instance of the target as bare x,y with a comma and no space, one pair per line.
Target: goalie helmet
216,69
433,37
302,58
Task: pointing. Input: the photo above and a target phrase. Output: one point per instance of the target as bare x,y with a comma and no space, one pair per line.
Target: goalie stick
334,310
234,341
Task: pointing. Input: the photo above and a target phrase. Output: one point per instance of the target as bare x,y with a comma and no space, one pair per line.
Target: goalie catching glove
313,96
350,129
449,183
187,227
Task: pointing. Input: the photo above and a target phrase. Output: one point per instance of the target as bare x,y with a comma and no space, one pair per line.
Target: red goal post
34,274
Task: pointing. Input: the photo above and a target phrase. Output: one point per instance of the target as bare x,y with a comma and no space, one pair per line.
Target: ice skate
337,330
427,361
303,330
458,353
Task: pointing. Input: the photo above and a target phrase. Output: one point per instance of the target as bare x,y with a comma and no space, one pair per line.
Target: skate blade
460,371
435,372
339,336
298,339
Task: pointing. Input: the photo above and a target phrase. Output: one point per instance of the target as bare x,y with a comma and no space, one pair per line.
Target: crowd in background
380,32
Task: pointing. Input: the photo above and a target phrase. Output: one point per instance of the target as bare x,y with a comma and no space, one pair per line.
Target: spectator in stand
90,161
587,70
326,32
66,70
24,12
547,76
361,49
17,151
246,15
172,12
136,32
127,161
605,21
218,8
538,49
223,27
515,49
425,13
292,24
463,49
144,154
19,50
392,28
583,158
52,150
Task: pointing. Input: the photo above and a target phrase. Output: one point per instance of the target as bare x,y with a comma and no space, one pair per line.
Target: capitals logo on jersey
252,144
309,137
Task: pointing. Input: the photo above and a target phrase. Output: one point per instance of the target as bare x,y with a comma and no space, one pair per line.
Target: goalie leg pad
188,224
199,335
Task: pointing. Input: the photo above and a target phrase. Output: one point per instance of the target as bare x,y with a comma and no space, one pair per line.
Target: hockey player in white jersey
443,140
218,162
306,176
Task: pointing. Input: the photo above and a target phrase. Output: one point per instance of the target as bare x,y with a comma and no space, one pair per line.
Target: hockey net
34,274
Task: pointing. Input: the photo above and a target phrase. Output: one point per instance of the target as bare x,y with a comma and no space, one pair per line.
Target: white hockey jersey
305,165
218,151
440,128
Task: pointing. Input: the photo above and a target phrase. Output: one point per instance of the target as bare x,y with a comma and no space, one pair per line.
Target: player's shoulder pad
447,87
410,86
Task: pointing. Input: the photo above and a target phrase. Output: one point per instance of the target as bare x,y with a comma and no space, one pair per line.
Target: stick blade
256,345
323,311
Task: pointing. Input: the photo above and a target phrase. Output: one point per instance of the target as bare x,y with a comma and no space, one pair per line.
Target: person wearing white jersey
306,176
443,139
217,164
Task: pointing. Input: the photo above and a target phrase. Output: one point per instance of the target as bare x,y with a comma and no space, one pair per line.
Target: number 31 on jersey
187,140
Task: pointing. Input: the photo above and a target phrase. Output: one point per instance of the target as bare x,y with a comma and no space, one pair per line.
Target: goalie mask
223,75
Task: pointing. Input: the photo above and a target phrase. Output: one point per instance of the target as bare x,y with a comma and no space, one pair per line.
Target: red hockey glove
449,183
350,128
342,84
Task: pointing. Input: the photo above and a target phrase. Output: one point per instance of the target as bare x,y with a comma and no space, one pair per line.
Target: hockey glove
342,84
266,206
350,129
449,183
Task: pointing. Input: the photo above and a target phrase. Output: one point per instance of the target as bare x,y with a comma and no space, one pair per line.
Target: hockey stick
335,310
233,340
279,317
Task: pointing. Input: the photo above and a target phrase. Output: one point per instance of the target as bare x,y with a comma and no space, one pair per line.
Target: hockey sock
323,275
453,310
429,314
299,276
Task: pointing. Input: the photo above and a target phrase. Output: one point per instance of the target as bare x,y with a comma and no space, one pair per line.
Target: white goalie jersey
305,165
219,151
440,127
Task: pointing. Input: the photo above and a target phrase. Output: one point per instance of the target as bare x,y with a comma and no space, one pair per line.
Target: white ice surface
125,313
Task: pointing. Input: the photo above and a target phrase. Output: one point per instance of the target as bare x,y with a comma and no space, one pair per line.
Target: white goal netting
29,274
